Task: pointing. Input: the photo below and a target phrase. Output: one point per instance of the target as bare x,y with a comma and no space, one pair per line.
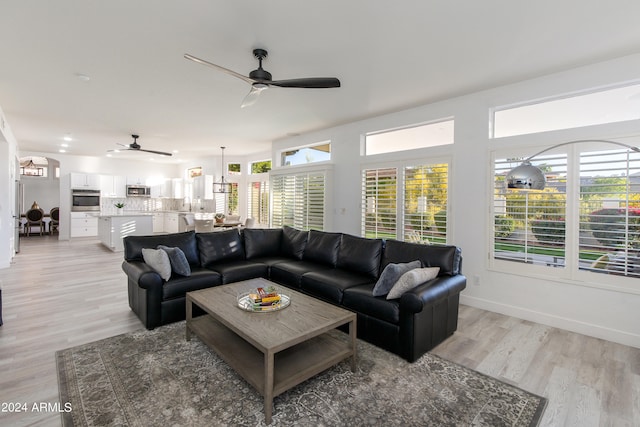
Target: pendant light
222,187
530,177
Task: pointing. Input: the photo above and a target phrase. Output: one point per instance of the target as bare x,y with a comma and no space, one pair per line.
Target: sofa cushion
412,279
185,241
178,260
293,242
262,242
238,270
289,273
330,284
391,274
360,299
360,254
158,260
219,246
322,247
200,278
448,258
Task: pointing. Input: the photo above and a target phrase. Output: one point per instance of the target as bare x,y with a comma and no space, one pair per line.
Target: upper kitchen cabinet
178,188
136,180
163,189
86,181
203,187
113,186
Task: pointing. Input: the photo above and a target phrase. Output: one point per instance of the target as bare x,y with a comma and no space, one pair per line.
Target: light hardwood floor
61,294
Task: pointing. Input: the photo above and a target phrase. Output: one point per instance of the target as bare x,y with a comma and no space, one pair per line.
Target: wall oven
85,200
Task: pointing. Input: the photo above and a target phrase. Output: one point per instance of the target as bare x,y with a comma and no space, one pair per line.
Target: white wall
8,159
582,306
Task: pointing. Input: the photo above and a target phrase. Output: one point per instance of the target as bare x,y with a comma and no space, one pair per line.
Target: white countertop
123,214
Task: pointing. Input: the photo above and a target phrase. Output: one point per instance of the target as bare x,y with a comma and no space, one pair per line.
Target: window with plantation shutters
406,203
259,202
425,203
379,203
298,200
609,220
587,219
529,226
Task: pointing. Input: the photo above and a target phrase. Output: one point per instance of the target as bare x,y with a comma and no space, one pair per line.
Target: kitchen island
113,228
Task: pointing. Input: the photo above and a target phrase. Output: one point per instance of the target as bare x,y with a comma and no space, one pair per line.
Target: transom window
410,138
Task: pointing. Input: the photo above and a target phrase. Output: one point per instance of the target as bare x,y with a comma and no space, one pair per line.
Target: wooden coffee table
273,351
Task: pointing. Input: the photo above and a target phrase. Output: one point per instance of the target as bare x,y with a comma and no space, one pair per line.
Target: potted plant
219,218
119,206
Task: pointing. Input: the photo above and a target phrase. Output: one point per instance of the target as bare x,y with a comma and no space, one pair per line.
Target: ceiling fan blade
162,153
308,83
253,95
219,68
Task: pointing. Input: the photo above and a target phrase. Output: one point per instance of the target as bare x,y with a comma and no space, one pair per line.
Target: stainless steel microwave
138,191
85,200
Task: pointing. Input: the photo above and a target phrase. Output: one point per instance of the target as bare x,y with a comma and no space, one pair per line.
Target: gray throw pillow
412,279
391,274
178,260
158,260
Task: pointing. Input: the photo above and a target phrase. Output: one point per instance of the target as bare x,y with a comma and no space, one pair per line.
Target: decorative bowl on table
263,300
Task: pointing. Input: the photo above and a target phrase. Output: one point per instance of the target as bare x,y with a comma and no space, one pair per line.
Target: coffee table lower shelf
291,366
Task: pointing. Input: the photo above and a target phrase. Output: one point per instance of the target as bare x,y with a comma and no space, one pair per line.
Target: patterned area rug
158,378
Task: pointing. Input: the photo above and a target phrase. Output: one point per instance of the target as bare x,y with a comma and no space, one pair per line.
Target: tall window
298,200
422,215
259,202
586,220
425,203
379,207
609,221
529,226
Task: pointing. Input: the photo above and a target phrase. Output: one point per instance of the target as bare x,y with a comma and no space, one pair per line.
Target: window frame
572,273
400,165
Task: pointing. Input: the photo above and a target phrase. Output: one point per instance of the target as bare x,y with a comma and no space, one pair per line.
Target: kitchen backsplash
151,204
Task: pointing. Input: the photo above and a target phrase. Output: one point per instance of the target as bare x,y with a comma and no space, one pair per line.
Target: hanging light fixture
222,186
530,177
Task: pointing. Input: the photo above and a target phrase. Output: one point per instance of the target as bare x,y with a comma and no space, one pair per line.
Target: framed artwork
193,172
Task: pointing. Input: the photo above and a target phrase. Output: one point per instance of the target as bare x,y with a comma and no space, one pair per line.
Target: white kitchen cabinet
171,222
136,180
113,228
113,186
84,224
203,187
85,181
158,222
177,185
163,189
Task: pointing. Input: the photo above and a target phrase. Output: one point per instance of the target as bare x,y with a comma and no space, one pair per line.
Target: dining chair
34,219
54,214
189,222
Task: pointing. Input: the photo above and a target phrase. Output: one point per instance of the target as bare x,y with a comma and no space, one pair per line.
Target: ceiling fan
260,79
134,146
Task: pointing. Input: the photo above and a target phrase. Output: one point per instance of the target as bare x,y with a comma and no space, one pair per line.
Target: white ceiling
388,56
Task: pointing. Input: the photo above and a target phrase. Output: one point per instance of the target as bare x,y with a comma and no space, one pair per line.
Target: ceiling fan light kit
260,79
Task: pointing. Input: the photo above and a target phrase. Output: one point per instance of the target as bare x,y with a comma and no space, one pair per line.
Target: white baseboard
589,329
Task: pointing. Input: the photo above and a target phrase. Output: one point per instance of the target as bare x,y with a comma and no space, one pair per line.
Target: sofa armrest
430,292
141,273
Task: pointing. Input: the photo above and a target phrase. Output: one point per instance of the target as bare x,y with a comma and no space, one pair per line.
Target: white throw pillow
159,261
412,279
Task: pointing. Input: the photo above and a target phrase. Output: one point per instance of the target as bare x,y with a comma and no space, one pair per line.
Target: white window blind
259,202
609,220
299,200
530,226
379,196
425,203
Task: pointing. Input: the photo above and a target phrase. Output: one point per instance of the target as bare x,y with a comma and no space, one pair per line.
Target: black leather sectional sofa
339,268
